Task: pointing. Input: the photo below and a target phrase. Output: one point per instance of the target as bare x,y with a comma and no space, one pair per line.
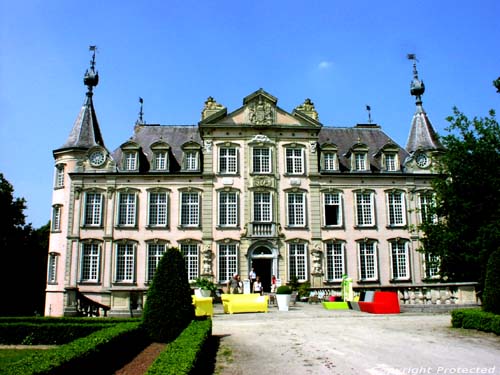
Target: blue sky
343,55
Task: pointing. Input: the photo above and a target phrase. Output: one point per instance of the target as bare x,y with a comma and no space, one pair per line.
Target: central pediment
260,110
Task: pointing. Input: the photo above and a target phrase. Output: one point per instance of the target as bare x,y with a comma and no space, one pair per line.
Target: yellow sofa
238,303
203,306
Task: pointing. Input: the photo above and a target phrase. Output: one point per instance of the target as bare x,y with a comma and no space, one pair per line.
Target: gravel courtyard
311,340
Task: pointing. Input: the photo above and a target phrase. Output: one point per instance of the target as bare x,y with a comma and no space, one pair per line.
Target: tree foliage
24,256
491,296
168,309
467,199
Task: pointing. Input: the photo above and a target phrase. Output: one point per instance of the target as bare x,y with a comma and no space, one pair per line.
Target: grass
9,356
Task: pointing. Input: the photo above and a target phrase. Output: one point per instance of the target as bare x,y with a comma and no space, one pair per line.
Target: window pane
296,209
90,262
191,260
190,209
395,203
125,262
161,161
335,263
228,208
364,209
126,209
390,162
52,269
158,209
93,208
294,162
261,160
399,257
228,262
297,262
262,207
155,252
332,209
367,261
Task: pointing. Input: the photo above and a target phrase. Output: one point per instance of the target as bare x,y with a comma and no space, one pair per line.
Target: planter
205,292
283,301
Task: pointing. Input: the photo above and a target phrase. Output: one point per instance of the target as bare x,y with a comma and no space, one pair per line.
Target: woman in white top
257,286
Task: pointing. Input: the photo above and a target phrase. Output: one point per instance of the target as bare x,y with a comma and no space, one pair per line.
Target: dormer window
389,159
360,161
390,162
130,161
330,162
191,157
191,161
160,156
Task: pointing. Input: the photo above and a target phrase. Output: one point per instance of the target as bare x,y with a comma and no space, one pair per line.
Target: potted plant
206,286
283,295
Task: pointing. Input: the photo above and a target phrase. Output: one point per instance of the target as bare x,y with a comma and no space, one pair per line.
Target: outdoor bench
238,303
383,303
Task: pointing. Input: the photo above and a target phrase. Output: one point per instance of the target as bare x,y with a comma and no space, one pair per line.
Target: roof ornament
368,109
91,78
417,86
140,120
308,109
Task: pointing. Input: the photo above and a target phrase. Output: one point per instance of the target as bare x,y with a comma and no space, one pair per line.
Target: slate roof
344,138
85,132
422,135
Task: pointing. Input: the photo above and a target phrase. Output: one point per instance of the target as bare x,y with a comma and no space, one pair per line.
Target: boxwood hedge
476,319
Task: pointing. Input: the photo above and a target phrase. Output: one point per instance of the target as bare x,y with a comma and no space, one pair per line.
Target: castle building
257,187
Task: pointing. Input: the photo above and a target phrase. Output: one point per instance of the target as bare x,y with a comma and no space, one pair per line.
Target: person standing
252,276
257,286
233,285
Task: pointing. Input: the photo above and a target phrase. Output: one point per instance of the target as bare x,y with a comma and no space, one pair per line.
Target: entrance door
262,268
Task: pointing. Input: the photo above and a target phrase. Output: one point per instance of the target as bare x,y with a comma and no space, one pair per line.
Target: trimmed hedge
90,354
181,355
476,319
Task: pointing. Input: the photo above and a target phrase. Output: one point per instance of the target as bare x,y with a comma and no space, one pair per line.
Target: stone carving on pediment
260,138
308,109
261,112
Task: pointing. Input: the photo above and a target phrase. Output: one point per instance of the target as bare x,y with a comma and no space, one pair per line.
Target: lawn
9,356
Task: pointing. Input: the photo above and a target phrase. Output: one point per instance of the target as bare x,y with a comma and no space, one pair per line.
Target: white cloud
324,64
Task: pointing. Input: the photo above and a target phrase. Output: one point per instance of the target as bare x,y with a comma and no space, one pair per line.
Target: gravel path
311,340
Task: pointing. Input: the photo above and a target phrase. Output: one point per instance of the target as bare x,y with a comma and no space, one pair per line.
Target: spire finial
91,78
141,113
417,86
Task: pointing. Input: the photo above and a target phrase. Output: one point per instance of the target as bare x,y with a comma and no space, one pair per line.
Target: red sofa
383,303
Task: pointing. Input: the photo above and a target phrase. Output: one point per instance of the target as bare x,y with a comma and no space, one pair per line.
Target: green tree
24,256
467,199
491,296
168,309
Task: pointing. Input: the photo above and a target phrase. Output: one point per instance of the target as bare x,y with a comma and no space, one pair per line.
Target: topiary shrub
168,309
284,289
491,295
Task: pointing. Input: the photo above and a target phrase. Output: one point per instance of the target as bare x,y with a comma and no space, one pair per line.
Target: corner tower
83,151
423,143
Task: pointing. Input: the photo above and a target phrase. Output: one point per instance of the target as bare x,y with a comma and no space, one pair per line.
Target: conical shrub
168,309
491,295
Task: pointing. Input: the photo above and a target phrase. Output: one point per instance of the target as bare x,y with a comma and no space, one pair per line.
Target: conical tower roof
422,134
86,132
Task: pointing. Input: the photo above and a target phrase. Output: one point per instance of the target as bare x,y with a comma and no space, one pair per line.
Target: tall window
160,161
228,208
59,180
431,265
93,209
125,263
127,209
262,207
261,159
56,218
191,161
227,261
294,160
90,262
332,209
52,268
335,261
158,209
400,260
155,252
360,161
191,260
426,203
228,160
390,162
190,209
367,261
365,209
330,162
296,209
130,162
297,261
396,208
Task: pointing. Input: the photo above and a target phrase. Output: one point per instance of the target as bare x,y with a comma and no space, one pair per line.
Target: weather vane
92,62
140,121
368,108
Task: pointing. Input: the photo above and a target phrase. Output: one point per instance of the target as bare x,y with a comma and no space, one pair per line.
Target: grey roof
422,134
85,132
174,135
370,135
